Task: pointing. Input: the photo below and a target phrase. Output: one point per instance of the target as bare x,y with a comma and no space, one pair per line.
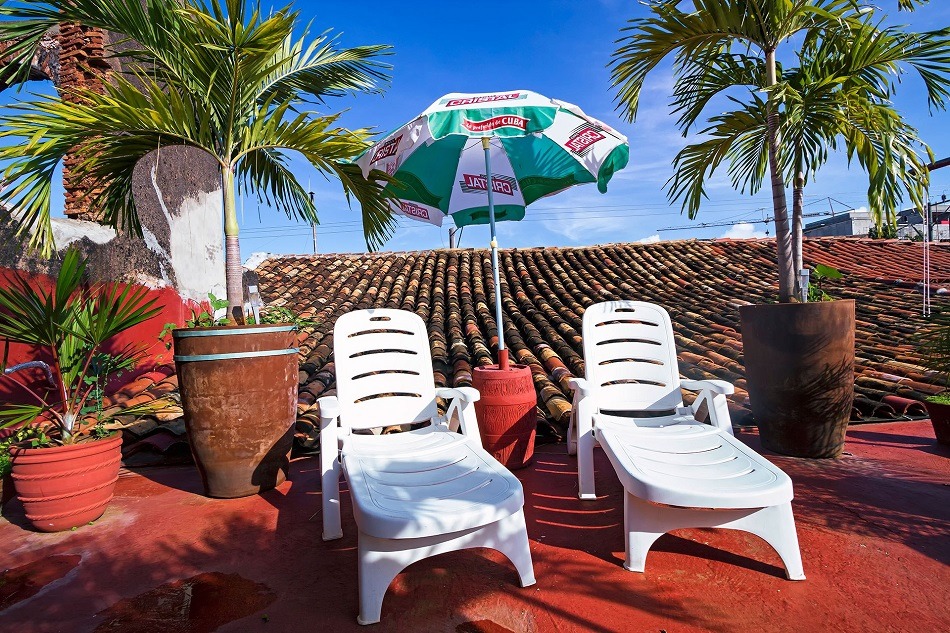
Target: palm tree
216,75
839,93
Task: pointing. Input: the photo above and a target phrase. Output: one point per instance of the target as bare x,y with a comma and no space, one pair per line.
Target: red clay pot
799,362
940,419
238,390
62,487
506,414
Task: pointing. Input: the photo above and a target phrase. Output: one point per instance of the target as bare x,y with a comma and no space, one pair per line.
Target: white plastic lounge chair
676,472
419,493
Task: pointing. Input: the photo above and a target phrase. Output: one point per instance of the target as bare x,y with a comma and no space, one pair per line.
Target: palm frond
320,70
265,173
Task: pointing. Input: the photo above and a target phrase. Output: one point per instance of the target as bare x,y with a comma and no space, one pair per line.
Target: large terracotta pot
239,394
940,419
62,487
507,421
799,362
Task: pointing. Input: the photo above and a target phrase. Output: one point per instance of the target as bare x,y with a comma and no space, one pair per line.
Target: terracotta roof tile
545,292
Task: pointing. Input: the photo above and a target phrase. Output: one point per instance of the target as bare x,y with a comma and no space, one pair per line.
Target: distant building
842,224
910,224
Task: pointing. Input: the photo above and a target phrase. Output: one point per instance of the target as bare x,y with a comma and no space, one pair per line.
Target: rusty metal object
507,420
799,360
239,394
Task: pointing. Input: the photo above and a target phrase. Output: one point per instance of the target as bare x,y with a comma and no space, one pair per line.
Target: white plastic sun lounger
419,493
676,472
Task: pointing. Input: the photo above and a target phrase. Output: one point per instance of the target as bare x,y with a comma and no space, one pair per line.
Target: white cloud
743,230
653,239
580,228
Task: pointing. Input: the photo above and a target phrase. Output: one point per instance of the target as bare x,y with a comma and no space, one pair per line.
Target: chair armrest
580,386
467,394
462,404
714,386
713,393
329,408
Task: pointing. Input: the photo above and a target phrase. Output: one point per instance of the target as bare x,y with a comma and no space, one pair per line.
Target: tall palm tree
838,95
216,75
721,46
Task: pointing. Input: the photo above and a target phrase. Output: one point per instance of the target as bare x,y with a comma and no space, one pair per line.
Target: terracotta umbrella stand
506,414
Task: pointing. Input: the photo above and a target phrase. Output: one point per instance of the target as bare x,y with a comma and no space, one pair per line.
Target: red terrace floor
874,528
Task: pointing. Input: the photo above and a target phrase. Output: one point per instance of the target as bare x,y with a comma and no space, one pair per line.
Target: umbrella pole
502,351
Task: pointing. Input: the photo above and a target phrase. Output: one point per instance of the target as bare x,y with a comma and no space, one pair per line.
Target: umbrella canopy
485,157
539,147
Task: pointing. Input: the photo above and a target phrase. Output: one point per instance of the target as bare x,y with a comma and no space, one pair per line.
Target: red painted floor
874,528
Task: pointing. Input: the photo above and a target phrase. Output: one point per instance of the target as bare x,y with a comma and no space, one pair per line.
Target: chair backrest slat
383,369
630,356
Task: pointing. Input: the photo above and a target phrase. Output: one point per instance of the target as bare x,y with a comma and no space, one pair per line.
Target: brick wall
82,65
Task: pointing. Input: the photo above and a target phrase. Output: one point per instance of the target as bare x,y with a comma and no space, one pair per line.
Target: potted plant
240,84
799,362
239,394
934,345
785,117
64,463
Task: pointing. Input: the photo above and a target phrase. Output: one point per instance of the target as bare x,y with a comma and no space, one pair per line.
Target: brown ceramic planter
940,419
239,394
799,361
506,414
62,487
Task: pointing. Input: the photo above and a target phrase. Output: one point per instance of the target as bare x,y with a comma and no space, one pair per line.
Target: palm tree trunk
798,204
783,237
232,251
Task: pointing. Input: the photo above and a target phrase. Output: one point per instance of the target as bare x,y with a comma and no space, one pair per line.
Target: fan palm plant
72,325
785,122
216,75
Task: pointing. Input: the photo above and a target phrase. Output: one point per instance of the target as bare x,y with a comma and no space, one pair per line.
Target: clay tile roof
546,290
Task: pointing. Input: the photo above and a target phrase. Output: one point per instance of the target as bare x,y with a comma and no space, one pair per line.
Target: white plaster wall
66,231
195,250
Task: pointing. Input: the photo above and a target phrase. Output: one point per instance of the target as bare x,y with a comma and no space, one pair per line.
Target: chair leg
572,436
645,522
378,565
513,543
330,491
585,466
776,526
380,560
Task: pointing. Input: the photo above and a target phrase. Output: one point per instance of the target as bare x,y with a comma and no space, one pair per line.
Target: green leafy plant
884,232
269,315
33,436
199,318
281,314
816,286
73,325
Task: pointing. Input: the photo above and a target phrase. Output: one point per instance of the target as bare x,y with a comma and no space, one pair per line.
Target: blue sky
559,48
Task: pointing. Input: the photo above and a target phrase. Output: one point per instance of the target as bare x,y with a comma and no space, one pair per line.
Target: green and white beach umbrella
527,145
